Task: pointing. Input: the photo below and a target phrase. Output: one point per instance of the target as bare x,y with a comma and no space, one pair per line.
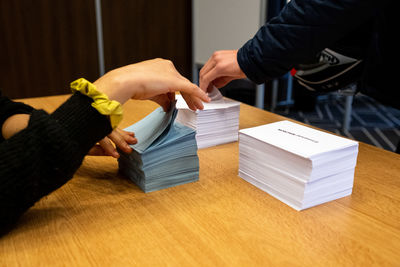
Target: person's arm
45,155
301,30
157,75
105,147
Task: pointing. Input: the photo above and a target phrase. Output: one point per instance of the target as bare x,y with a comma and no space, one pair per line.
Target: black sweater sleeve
301,30
45,155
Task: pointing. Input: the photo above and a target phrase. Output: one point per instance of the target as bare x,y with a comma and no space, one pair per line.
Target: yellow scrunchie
101,102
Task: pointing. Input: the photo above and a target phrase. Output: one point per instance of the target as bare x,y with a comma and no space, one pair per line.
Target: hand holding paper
221,68
165,155
156,80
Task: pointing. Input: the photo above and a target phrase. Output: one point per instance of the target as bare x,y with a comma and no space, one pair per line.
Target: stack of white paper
217,123
300,166
165,155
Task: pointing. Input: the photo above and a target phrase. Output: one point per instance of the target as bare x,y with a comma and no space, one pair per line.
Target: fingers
213,69
164,101
193,90
210,64
188,101
103,149
220,69
109,149
222,81
148,80
120,138
194,95
97,150
193,103
207,78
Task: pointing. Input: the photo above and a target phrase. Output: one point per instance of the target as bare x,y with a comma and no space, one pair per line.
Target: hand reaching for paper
155,80
221,68
122,139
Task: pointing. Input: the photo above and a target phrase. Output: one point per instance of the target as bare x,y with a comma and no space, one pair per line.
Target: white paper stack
298,165
217,123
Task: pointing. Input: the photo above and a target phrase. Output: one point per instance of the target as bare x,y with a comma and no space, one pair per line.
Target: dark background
46,44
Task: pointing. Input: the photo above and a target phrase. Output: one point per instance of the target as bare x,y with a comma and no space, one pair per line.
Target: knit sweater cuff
81,121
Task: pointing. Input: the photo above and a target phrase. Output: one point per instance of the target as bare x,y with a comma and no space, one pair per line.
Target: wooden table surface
100,218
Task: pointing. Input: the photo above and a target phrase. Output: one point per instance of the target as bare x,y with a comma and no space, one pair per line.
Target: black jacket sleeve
301,30
45,155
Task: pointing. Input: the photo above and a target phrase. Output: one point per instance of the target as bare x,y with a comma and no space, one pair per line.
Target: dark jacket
304,28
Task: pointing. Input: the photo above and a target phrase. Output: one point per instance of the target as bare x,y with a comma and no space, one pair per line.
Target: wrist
101,100
113,87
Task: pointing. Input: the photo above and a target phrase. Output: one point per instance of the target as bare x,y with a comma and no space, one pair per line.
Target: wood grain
100,218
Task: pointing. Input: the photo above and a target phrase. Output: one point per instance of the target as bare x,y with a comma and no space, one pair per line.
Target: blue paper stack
165,155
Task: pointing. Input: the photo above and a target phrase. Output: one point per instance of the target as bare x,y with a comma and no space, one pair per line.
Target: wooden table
102,219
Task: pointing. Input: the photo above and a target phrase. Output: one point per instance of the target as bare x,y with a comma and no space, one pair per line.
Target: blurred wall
223,25
46,44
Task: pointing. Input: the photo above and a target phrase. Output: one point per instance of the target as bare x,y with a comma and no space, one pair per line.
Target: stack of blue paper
165,155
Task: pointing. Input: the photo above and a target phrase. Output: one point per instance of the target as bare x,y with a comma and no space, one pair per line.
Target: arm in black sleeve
45,155
301,30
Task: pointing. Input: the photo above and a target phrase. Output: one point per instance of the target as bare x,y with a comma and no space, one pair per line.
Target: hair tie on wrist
101,102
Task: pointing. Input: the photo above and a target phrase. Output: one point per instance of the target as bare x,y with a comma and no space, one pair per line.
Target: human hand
120,138
156,80
221,68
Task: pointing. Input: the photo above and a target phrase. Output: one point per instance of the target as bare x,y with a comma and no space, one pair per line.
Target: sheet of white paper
298,139
217,101
215,95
